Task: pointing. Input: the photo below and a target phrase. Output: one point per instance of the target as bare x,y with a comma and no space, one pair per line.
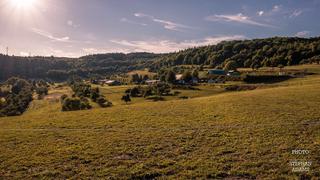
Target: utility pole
7,50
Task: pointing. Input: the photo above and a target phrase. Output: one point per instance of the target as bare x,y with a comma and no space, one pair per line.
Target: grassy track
246,134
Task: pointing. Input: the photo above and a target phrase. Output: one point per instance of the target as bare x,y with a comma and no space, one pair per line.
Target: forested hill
60,69
247,53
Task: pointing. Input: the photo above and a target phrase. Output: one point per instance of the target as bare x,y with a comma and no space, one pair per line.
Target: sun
22,3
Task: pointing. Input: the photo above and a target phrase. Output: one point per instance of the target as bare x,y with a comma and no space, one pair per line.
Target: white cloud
239,18
72,24
60,53
164,46
260,13
50,36
132,22
276,8
91,50
165,23
302,33
296,13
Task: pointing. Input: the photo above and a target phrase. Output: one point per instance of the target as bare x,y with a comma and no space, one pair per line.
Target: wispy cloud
50,36
275,9
260,13
239,18
93,50
132,22
72,24
164,46
302,34
170,25
296,13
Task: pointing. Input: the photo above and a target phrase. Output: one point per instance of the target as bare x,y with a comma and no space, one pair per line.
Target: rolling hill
232,135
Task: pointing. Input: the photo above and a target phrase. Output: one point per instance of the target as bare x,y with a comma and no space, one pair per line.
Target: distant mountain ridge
240,53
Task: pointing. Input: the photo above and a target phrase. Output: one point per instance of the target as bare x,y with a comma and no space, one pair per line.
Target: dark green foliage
135,92
103,102
248,53
94,94
170,77
161,89
58,75
195,73
17,101
265,78
60,69
231,65
63,97
41,91
135,78
187,76
126,98
83,90
75,104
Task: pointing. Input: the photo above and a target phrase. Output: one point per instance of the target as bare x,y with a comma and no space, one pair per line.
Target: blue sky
78,27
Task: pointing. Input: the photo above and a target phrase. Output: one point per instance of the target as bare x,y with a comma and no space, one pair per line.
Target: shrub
63,97
17,101
42,91
126,98
103,102
74,104
183,97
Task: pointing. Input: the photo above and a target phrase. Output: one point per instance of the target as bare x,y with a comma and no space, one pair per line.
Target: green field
213,134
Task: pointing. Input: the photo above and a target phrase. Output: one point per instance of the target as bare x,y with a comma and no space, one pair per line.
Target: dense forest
60,69
247,53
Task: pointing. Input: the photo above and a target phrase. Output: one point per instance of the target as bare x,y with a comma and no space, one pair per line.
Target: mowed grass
246,135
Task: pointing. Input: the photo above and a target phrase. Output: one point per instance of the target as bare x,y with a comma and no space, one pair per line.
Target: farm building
109,82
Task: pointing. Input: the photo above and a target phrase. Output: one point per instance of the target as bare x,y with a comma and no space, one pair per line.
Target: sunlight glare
22,3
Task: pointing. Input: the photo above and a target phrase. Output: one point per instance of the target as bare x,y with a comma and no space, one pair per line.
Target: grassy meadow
212,135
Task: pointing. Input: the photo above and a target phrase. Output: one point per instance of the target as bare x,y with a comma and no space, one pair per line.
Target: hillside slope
233,135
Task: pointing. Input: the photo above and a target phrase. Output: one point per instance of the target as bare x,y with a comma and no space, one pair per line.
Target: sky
73,28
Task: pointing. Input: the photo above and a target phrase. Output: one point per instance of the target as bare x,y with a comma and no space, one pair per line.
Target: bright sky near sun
74,28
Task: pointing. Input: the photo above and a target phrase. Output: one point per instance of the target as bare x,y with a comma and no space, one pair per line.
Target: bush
18,100
63,97
183,97
103,102
74,104
126,98
42,91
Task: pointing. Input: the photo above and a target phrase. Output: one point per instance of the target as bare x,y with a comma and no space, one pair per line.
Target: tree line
229,55
61,69
246,53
